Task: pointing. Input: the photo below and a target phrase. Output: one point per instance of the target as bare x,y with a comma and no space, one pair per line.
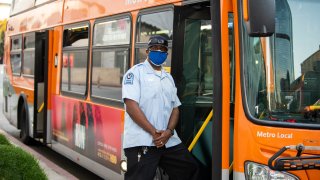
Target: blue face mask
157,57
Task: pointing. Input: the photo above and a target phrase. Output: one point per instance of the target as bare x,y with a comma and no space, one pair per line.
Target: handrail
231,168
204,125
41,107
196,138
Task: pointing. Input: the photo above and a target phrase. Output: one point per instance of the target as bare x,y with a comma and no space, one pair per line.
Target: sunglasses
158,41
158,47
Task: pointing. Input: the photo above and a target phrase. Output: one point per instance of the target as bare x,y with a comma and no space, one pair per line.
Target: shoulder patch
129,78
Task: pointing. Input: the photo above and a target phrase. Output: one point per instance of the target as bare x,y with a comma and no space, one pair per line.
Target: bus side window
111,51
75,59
28,55
153,23
15,55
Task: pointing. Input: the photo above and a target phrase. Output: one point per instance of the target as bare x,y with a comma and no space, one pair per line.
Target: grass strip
15,163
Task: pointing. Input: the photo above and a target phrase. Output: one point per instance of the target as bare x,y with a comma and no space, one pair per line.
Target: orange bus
234,63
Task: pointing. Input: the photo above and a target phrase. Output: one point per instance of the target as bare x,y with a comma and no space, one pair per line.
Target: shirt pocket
169,95
150,89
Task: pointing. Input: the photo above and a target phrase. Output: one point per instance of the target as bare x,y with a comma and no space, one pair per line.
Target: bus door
40,84
192,69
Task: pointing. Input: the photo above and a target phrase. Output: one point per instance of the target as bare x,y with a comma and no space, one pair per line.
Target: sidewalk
53,171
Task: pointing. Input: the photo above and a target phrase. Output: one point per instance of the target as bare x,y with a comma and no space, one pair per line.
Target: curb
51,169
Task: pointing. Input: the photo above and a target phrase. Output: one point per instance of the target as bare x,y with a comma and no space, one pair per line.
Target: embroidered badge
129,79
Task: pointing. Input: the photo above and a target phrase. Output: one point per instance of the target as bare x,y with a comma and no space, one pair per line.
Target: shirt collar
150,69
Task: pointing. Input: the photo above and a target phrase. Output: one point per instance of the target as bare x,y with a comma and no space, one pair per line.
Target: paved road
51,155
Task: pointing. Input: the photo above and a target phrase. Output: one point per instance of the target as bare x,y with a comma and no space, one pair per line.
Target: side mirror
261,18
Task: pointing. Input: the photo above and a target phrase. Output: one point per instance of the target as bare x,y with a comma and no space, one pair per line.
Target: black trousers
176,161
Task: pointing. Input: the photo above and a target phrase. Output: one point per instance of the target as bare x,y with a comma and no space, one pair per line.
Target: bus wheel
24,133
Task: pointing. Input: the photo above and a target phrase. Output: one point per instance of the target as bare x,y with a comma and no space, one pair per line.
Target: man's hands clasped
161,137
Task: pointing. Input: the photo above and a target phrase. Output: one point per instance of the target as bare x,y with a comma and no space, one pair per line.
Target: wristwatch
172,131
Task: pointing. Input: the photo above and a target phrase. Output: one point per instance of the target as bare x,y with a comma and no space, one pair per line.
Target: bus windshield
282,72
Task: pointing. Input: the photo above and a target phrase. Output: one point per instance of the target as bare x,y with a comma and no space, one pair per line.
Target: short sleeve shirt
156,96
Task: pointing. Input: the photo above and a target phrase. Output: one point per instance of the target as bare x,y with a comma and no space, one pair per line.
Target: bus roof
42,14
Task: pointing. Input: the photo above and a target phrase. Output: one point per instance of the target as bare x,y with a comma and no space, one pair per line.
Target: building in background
5,6
312,63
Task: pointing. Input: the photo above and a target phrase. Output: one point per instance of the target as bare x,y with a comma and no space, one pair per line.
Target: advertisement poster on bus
91,130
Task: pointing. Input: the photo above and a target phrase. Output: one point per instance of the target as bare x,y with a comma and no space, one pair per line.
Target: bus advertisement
246,72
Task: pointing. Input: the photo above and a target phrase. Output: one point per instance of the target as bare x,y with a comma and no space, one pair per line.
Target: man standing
151,104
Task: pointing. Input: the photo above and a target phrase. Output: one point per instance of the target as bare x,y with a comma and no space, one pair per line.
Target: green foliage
4,140
1,44
17,164
3,25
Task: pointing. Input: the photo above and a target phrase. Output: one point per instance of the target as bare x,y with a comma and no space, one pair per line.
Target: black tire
24,126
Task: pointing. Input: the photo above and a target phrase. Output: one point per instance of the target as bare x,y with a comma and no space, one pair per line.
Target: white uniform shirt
156,96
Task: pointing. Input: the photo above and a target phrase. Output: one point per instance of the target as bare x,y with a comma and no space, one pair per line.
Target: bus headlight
255,171
123,165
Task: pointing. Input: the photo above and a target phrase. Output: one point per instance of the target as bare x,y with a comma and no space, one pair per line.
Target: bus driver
151,104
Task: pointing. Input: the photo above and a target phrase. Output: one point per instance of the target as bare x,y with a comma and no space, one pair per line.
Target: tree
3,25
